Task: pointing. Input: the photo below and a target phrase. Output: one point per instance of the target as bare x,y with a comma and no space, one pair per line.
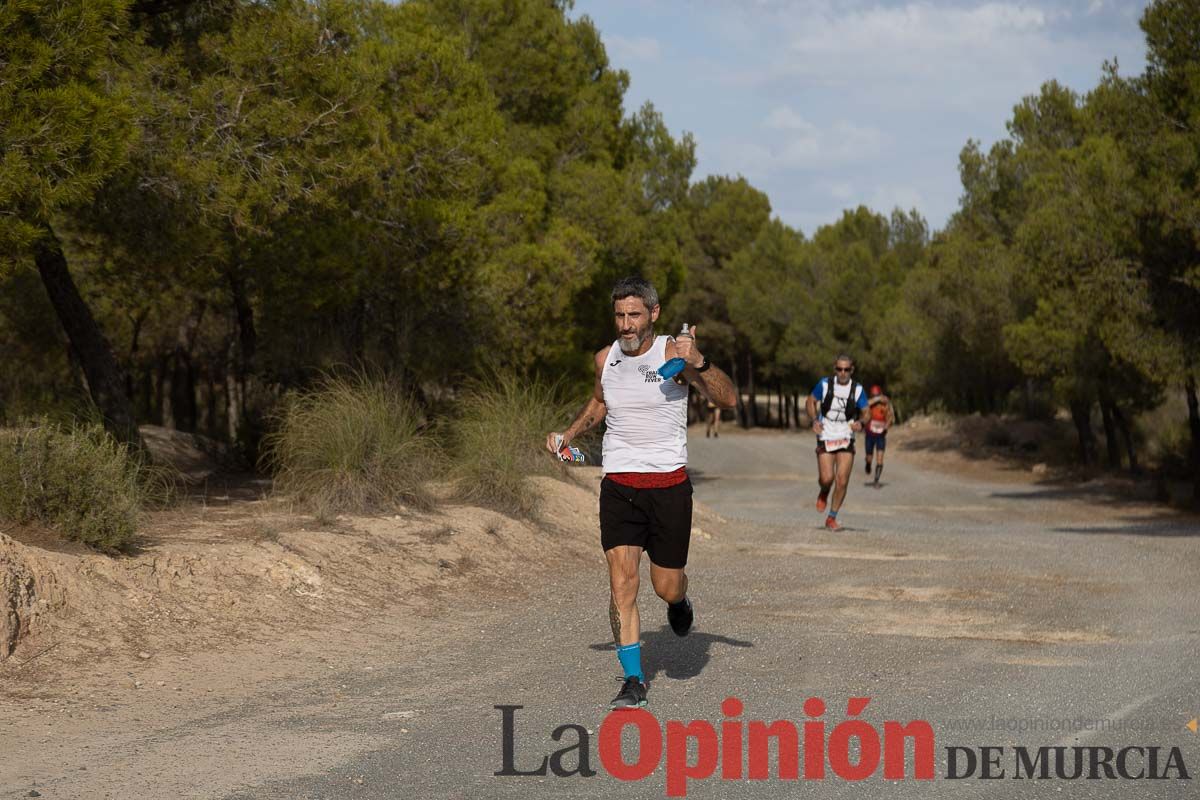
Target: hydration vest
851,400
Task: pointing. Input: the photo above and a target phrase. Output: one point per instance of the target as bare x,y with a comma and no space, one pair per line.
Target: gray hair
844,357
634,286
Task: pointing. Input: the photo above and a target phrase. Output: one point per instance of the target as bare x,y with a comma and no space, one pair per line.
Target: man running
882,418
838,409
646,496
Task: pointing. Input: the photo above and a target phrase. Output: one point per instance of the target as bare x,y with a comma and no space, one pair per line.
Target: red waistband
649,480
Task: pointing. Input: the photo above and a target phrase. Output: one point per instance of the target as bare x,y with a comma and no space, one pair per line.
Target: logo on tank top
614,363
651,373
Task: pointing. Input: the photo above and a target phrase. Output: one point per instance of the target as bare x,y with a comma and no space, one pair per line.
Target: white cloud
636,48
826,104
841,190
849,140
917,29
784,118
886,198
882,63
734,157
805,145
816,44
915,42
794,144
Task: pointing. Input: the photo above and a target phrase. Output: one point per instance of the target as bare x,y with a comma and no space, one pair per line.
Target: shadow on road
1141,527
677,657
1093,493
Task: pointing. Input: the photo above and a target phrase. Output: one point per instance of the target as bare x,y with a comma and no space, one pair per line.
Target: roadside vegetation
496,442
353,445
349,444
79,481
360,445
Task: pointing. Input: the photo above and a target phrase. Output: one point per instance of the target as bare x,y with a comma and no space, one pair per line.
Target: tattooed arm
593,411
713,383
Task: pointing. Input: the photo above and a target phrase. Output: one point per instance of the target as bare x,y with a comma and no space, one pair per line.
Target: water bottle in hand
674,366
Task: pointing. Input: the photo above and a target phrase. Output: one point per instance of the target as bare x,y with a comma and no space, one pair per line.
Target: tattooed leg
623,582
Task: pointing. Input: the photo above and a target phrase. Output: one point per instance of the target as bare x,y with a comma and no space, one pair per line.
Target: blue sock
833,515
630,656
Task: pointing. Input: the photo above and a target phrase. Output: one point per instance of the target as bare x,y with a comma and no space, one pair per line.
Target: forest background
205,204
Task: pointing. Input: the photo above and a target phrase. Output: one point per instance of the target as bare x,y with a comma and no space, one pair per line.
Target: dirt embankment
125,665
233,565
29,592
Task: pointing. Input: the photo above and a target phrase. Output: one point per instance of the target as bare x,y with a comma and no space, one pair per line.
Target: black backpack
827,399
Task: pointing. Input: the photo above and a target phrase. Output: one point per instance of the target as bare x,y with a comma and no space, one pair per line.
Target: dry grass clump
497,442
355,444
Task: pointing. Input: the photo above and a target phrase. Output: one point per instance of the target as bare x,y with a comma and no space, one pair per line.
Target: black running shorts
657,520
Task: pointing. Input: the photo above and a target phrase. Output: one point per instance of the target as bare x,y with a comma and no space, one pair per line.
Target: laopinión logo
742,748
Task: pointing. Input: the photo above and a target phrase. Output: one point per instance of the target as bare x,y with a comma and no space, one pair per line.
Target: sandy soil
234,595
236,567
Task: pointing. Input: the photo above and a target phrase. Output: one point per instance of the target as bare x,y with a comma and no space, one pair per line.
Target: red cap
876,390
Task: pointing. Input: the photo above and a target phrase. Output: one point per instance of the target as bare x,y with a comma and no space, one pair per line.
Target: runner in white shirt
646,496
838,409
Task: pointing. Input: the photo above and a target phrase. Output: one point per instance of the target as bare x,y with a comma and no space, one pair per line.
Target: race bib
878,426
832,445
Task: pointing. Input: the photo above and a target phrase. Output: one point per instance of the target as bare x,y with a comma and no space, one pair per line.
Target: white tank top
647,416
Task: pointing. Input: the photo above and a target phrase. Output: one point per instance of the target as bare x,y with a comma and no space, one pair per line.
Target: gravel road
1003,614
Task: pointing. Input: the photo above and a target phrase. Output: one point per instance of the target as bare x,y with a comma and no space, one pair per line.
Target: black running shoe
632,694
680,615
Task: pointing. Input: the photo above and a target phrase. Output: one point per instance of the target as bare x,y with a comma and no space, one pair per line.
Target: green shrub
77,480
498,441
352,444
1165,433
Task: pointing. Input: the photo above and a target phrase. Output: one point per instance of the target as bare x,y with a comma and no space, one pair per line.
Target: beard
630,346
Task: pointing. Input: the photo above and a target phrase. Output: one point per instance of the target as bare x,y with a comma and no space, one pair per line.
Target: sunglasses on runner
843,369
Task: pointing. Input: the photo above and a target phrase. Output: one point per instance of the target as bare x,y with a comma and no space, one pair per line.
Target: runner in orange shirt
882,417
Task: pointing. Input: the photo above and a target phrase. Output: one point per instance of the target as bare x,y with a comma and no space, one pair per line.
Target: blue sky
825,105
